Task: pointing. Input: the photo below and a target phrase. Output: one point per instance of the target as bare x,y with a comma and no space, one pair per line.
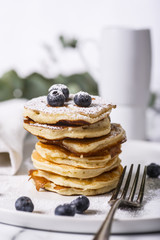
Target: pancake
53,132
72,171
68,191
91,183
89,147
73,186
56,154
39,111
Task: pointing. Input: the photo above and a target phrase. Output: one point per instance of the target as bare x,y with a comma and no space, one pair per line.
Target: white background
26,25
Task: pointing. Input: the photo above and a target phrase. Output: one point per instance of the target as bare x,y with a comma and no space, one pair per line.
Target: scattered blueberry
55,98
65,210
82,99
153,170
24,204
60,87
81,204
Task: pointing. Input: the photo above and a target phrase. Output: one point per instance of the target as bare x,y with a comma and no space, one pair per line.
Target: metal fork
115,201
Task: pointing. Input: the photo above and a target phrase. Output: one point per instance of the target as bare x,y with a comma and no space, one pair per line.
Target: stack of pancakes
78,149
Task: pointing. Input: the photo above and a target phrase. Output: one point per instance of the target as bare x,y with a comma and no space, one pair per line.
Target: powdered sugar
98,105
45,202
45,126
81,93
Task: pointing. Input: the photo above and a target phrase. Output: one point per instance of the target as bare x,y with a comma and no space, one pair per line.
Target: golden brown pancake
91,146
73,186
53,132
57,154
39,111
72,171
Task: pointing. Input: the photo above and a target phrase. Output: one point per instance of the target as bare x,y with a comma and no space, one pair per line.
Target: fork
115,201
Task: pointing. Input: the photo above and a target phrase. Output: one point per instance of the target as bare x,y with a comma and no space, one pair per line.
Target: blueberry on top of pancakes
60,87
82,99
55,98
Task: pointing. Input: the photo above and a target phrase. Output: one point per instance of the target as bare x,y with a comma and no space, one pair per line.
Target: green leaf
68,43
5,92
152,99
36,85
85,82
10,83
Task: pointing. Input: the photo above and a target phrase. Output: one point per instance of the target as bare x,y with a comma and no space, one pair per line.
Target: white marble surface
16,233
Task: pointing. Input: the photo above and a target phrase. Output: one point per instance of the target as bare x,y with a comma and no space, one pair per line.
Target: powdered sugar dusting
45,202
98,105
81,93
45,126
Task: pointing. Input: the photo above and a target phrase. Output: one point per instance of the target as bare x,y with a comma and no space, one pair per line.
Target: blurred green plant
152,99
35,84
71,43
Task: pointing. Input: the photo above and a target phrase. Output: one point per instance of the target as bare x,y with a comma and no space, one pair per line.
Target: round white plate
147,219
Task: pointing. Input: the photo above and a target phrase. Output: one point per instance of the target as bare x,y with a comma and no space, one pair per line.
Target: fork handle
104,231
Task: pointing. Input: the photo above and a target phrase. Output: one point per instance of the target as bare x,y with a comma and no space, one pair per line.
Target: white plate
146,219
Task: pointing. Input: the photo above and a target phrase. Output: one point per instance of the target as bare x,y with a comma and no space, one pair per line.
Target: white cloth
11,135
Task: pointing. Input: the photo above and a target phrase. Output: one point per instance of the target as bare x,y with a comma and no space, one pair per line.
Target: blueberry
24,204
153,170
60,87
82,99
55,98
81,204
65,210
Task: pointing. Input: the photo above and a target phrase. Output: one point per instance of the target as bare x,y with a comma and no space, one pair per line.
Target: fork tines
130,199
